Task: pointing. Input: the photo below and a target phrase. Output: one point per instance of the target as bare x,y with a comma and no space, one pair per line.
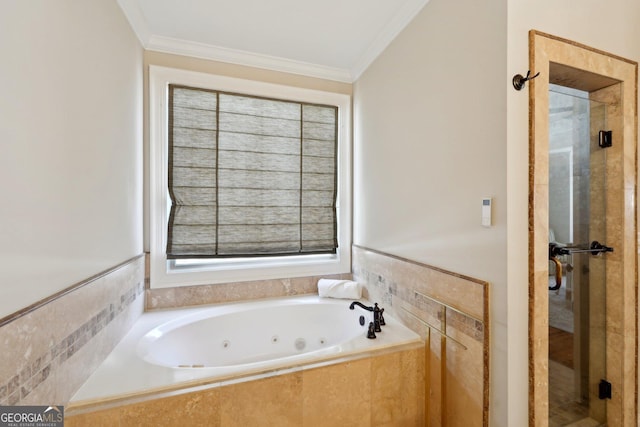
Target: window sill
169,273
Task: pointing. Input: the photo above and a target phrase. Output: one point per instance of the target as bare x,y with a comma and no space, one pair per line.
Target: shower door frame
587,69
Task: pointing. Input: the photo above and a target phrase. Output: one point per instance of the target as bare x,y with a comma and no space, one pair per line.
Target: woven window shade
250,176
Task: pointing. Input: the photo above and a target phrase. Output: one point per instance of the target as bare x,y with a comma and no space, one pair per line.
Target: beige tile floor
563,409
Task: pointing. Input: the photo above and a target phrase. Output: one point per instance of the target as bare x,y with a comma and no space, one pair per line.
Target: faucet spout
358,303
377,314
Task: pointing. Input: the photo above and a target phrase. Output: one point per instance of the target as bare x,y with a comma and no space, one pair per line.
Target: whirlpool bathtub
179,349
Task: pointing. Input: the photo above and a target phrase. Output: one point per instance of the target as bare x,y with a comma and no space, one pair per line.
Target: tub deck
124,377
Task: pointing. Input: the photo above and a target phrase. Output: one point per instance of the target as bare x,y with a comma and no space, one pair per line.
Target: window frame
171,273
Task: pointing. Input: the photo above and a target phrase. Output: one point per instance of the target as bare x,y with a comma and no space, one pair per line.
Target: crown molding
386,36
175,46
217,53
136,20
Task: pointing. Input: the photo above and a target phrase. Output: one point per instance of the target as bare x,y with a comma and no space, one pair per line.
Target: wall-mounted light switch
486,212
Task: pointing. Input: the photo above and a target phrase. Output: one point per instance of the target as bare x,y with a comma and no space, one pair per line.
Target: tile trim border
421,264
41,303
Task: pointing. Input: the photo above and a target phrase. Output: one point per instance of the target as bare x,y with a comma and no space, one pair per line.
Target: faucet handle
371,333
377,315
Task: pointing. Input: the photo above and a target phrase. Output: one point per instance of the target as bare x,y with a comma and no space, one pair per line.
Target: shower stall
578,142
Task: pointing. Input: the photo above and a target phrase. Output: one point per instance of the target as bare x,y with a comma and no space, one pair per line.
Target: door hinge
604,389
605,138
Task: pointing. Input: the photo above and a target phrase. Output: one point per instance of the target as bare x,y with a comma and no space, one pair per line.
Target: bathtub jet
179,349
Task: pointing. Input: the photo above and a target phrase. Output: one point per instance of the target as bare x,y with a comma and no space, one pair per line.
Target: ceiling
333,39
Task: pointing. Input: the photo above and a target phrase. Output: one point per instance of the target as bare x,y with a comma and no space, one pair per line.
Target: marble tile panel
630,162
619,230
435,380
106,418
629,380
541,142
426,299
614,297
615,372
397,389
433,312
230,292
541,219
615,225
38,369
338,395
539,309
269,402
463,398
460,324
412,320
384,390
385,275
464,354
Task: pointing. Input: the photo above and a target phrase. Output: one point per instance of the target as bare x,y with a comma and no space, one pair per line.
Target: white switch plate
486,211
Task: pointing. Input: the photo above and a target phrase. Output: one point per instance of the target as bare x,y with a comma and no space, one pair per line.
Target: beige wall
71,132
242,72
438,127
434,108
430,143
582,23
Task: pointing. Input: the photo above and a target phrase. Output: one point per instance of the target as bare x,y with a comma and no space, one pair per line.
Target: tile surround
620,224
230,292
55,347
451,313
453,305
383,390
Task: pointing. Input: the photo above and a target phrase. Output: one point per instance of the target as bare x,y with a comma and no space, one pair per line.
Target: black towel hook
519,81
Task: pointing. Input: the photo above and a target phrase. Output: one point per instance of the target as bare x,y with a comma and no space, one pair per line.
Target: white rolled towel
347,289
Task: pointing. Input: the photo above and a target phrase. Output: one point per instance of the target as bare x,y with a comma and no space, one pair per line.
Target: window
249,176
248,180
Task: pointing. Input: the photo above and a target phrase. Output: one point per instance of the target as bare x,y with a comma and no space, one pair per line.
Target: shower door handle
554,251
595,248
558,264
598,248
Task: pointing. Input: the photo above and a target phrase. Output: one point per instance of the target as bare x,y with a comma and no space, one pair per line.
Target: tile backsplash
53,349
450,311
229,292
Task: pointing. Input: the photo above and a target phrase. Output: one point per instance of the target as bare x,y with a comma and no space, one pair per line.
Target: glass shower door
577,212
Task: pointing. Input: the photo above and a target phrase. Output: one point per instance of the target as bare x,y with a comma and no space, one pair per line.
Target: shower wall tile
229,292
450,312
54,348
